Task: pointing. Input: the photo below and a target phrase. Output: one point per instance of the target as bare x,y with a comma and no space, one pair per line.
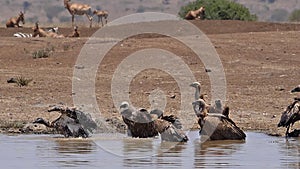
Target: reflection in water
149,152
65,151
44,151
137,152
290,151
168,154
74,145
216,154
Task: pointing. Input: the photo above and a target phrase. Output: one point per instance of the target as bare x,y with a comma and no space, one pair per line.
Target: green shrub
22,81
295,16
219,10
43,53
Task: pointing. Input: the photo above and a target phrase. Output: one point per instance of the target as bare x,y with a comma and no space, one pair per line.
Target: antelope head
66,2
95,12
22,17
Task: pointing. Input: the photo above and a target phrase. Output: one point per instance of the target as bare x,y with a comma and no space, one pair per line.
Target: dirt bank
261,62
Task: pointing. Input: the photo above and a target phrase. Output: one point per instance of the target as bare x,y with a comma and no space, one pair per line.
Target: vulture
142,124
71,122
169,127
215,125
214,121
289,117
139,122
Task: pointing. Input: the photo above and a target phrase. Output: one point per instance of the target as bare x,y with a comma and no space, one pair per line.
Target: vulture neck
197,93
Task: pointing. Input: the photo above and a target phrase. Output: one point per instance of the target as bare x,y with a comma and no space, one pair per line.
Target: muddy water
118,151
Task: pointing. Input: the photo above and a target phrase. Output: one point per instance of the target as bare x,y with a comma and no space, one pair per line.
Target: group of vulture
214,121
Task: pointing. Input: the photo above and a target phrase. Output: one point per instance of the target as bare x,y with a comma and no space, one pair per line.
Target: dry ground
261,62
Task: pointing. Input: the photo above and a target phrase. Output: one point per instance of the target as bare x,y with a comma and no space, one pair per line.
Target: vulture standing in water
289,117
142,124
215,125
169,127
214,120
139,122
71,122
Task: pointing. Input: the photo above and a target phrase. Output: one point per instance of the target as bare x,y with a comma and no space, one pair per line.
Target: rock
36,128
12,80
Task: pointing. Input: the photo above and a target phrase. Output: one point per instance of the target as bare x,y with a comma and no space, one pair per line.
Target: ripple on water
119,151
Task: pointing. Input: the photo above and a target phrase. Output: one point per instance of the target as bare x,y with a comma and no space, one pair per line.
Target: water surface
119,151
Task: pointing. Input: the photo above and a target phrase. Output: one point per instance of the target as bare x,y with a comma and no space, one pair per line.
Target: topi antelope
41,33
196,14
14,21
101,14
79,9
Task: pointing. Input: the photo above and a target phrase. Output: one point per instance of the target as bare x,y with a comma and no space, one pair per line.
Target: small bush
66,47
11,124
43,53
219,10
295,16
22,81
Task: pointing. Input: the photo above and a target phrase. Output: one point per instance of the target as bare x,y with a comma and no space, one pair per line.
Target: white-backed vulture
290,116
142,124
214,121
71,122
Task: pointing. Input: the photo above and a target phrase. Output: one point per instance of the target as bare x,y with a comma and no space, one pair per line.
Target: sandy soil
261,62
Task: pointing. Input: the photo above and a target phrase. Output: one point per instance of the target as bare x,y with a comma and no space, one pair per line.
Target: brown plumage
14,21
169,127
290,116
214,121
79,9
71,122
220,127
142,124
139,122
169,132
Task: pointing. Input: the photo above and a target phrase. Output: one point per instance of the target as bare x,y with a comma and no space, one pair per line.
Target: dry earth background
53,12
261,63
